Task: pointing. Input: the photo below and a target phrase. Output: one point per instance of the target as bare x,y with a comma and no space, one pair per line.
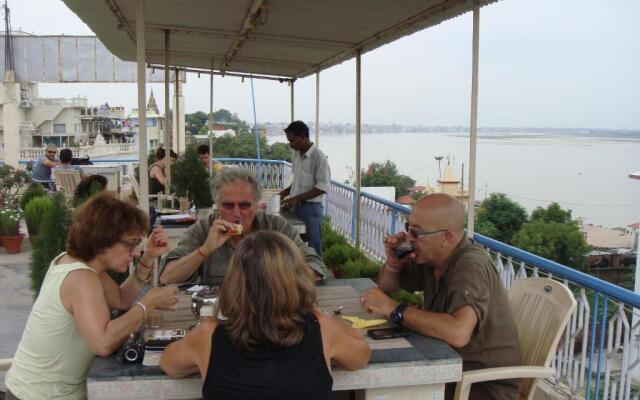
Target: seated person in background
465,303
157,178
88,187
205,156
70,320
274,343
204,251
66,156
43,166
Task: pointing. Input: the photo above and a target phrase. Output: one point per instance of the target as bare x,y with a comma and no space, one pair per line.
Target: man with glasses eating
204,251
464,304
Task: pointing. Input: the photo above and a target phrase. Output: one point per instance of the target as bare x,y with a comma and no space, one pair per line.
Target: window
59,128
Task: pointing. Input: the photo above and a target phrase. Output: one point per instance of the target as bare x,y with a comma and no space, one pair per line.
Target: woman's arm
190,355
83,296
343,344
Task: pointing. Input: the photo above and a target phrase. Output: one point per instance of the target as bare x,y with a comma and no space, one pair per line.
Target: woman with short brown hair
70,320
269,341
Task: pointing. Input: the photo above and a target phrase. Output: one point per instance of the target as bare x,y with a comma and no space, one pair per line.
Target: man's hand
289,203
157,244
376,301
219,232
390,243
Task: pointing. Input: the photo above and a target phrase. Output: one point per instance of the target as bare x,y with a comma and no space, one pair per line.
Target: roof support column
474,122
358,121
318,108
142,106
210,130
167,132
292,97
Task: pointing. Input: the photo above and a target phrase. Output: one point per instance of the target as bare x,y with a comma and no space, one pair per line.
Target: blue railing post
394,221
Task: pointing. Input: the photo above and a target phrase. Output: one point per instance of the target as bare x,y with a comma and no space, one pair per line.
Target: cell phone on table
387,333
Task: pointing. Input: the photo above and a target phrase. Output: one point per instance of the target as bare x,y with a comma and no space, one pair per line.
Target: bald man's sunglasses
418,234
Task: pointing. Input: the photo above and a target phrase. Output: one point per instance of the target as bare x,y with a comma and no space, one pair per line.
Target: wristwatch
397,315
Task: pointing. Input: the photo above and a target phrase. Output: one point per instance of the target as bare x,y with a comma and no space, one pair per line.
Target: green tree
553,213
195,121
500,218
560,242
386,174
278,151
189,178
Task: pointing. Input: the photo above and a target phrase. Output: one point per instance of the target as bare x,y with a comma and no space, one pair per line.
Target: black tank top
297,372
155,186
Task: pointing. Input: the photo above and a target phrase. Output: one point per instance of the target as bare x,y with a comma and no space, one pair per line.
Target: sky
543,63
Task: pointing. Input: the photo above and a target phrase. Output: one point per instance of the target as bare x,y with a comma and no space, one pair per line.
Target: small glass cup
154,320
403,250
184,204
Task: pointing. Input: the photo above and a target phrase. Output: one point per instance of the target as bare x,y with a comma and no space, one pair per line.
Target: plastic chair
67,180
135,186
541,308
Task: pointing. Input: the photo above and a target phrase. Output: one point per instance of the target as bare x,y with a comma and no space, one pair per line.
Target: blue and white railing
599,351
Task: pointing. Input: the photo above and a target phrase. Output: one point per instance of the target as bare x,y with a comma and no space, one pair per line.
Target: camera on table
132,350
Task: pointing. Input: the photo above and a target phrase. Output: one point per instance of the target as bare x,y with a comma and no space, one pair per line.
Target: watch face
397,315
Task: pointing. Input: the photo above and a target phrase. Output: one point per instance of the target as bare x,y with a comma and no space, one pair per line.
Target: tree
553,213
386,174
195,121
244,146
500,218
560,242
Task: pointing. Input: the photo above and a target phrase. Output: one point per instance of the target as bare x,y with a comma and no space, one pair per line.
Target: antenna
8,43
439,158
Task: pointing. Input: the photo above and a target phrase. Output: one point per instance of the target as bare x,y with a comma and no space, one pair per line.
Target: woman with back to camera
70,320
157,177
274,342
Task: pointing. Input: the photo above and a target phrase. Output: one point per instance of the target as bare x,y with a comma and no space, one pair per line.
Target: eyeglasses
130,244
418,234
243,205
51,152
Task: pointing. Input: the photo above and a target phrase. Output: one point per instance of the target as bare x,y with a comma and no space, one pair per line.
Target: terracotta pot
13,244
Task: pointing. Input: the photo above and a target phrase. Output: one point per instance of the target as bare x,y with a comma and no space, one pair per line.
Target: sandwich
236,230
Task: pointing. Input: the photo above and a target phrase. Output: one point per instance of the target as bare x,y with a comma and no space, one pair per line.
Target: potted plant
12,183
34,213
10,229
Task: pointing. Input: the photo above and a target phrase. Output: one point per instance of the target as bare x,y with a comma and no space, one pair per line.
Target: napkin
360,323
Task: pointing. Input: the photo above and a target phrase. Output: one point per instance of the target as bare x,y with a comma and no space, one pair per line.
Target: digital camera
132,350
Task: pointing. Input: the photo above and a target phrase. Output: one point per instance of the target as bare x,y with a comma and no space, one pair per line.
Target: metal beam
142,107
318,109
234,74
250,22
233,35
292,101
210,130
474,122
207,56
167,134
358,159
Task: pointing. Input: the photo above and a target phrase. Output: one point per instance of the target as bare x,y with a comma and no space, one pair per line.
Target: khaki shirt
469,278
214,267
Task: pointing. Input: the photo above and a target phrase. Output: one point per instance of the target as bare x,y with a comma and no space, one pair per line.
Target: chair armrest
5,363
492,374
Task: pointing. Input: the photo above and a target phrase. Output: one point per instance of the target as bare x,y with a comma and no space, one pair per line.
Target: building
63,122
155,124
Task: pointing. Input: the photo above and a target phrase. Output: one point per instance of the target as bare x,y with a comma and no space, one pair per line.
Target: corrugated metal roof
283,38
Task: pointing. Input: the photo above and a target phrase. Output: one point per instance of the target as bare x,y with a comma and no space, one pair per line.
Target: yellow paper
360,323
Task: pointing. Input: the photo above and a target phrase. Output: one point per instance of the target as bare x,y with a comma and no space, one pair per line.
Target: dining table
413,367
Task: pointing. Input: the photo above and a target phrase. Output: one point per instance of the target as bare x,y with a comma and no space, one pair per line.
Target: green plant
33,190
412,299
51,241
337,255
10,221
360,267
190,179
12,183
35,211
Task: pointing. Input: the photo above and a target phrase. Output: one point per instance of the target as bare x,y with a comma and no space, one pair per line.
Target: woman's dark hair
90,186
161,153
100,223
267,289
66,156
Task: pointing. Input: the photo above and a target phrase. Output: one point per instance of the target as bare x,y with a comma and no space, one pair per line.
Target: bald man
465,303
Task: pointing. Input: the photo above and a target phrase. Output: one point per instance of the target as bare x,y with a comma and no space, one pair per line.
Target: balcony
599,350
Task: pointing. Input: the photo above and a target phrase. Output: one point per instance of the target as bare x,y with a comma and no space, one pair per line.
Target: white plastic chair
67,180
541,308
135,186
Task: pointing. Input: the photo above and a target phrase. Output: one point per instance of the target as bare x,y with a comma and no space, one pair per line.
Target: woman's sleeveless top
155,186
297,372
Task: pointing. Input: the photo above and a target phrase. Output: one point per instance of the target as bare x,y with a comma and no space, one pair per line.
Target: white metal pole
177,112
635,317
167,136
292,95
210,130
317,108
358,121
142,106
474,122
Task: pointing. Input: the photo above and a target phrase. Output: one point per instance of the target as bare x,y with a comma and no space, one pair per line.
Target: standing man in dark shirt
465,303
311,179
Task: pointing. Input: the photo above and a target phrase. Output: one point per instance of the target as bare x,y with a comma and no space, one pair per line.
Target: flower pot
13,244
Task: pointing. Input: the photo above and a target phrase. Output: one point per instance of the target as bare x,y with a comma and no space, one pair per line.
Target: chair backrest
67,180
135,186
541,308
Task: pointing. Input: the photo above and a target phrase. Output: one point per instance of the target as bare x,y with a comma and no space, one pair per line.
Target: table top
415,360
